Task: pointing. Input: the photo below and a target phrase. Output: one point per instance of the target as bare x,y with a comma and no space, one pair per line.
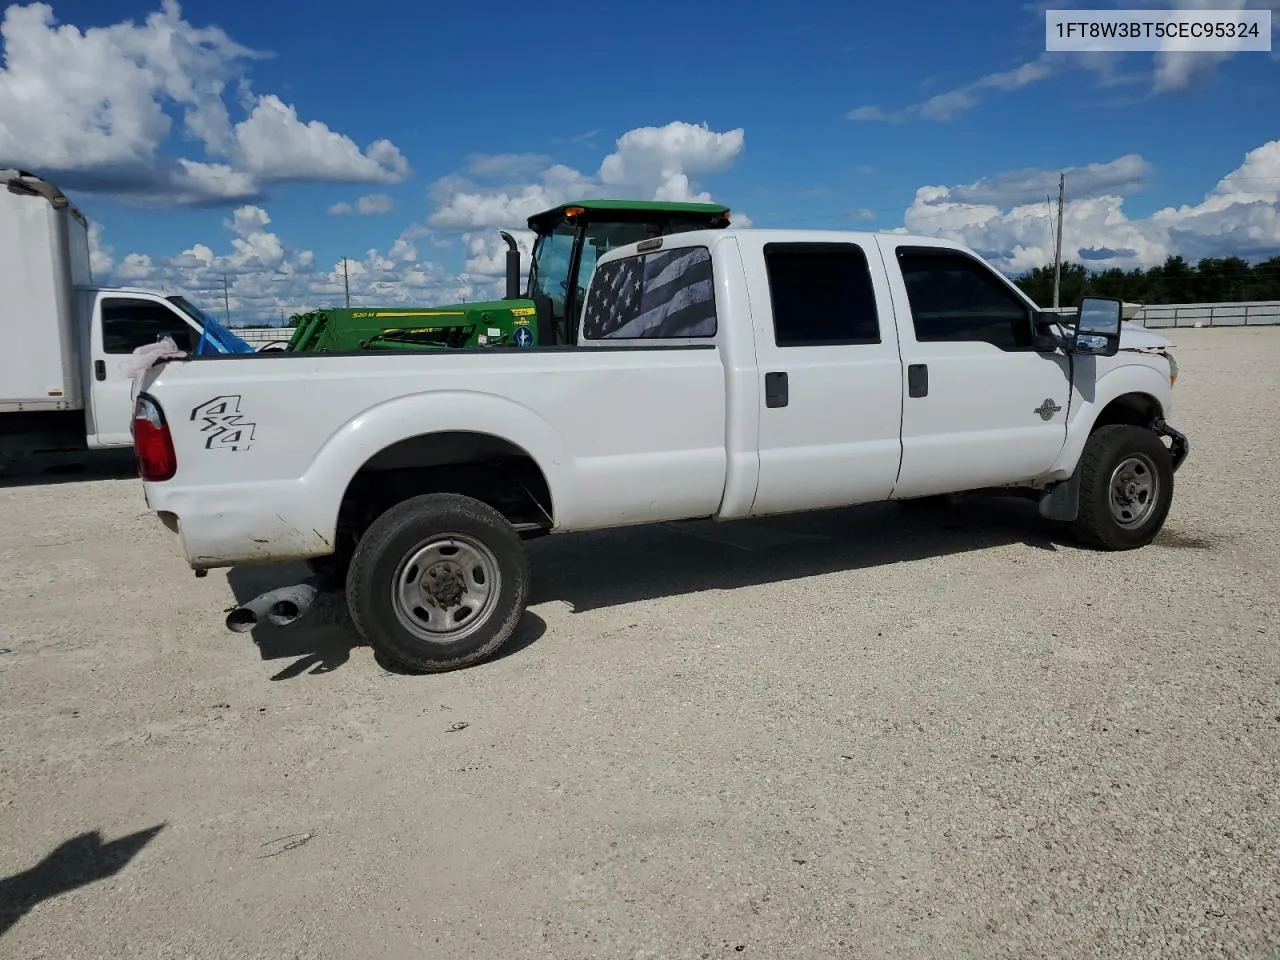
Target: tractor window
664,295
551,266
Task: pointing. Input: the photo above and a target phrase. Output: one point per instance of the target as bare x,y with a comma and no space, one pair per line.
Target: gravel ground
864,733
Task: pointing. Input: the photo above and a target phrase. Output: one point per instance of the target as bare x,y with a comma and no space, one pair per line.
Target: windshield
222,339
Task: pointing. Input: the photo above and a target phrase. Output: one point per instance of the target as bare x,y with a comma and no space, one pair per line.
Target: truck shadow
322,641
607,568
81,467
318,643
612,567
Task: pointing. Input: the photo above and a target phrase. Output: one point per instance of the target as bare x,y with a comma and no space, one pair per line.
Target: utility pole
226,299
345,285
1057,247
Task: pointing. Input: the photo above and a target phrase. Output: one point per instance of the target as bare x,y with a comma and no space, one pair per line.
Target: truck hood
1135,337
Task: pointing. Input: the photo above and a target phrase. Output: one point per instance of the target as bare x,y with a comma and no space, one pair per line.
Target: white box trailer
44,256
63,339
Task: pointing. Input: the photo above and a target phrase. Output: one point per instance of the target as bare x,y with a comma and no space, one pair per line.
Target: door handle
100,369
917,380
775,390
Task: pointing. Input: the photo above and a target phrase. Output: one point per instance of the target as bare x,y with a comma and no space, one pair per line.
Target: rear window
821,294
664,295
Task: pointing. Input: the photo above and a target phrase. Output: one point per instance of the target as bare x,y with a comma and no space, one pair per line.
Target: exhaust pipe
280,607
292,604
513,266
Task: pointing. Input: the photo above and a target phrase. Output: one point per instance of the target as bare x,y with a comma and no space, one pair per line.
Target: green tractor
569,240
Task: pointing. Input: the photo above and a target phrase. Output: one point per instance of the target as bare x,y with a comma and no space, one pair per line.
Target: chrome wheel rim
446,587
1135,490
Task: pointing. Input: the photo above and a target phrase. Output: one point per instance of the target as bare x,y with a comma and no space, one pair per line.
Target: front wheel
438,582
1126,488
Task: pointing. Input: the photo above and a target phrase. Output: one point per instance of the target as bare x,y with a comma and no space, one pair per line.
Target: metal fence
1256,313
262,335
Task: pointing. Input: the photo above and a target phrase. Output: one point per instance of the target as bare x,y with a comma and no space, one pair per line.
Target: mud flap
1062,500
1181,446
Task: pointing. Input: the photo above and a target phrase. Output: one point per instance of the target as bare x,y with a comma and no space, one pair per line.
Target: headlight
1173,369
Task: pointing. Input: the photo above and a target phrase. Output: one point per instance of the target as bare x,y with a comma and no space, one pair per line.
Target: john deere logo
1047,409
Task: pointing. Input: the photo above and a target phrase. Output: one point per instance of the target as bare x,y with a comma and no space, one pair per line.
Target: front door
981,407
829,374
124,324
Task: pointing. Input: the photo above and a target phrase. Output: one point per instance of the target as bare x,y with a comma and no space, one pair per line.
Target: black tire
391,607
1103,526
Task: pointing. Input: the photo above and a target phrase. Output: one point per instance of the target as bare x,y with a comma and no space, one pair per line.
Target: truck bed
261,437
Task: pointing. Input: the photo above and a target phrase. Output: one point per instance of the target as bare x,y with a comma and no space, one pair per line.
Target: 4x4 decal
225,428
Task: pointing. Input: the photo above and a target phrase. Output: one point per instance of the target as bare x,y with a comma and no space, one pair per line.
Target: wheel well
1135,409
488,468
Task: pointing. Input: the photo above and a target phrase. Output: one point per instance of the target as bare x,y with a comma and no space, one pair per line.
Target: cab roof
636,207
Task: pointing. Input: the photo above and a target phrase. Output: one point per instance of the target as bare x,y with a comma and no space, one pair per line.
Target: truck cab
116,321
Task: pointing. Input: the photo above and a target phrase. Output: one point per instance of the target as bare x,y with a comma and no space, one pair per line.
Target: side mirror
1097,331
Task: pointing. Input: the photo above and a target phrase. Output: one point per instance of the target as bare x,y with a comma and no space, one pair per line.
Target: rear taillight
152,443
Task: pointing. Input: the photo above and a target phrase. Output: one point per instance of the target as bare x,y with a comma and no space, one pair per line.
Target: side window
955,298
129,324
661,296
821,294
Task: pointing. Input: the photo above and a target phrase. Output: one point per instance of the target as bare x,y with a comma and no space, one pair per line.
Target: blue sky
182,132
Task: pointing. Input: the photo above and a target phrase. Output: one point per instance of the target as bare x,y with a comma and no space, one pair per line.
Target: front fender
1096,393
381,426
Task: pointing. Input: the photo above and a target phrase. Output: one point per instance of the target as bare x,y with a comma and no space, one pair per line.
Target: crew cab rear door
830,373
981,406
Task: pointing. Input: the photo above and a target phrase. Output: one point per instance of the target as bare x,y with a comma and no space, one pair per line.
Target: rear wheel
438,582
1126,488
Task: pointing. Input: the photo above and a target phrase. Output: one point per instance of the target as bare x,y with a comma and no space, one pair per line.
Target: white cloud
266,276
1239,217
274,144
656,163
1166,71
1003,216
374,204
92,110
487,253
505,164
663,160
100,255
1030,185
1178,69
951,104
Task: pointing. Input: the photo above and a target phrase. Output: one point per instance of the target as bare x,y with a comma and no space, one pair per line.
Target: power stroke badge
1047,409
223,425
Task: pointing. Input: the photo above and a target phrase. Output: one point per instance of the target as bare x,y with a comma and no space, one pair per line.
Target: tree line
1218,280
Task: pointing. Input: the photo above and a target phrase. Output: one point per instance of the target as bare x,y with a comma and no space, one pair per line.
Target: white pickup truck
715,374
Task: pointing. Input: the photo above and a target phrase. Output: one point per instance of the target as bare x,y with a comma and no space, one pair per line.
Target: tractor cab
573,236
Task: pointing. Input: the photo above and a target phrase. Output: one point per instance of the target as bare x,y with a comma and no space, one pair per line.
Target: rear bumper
1181,447
237,524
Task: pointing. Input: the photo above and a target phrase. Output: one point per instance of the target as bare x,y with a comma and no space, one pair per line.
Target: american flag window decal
661,296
